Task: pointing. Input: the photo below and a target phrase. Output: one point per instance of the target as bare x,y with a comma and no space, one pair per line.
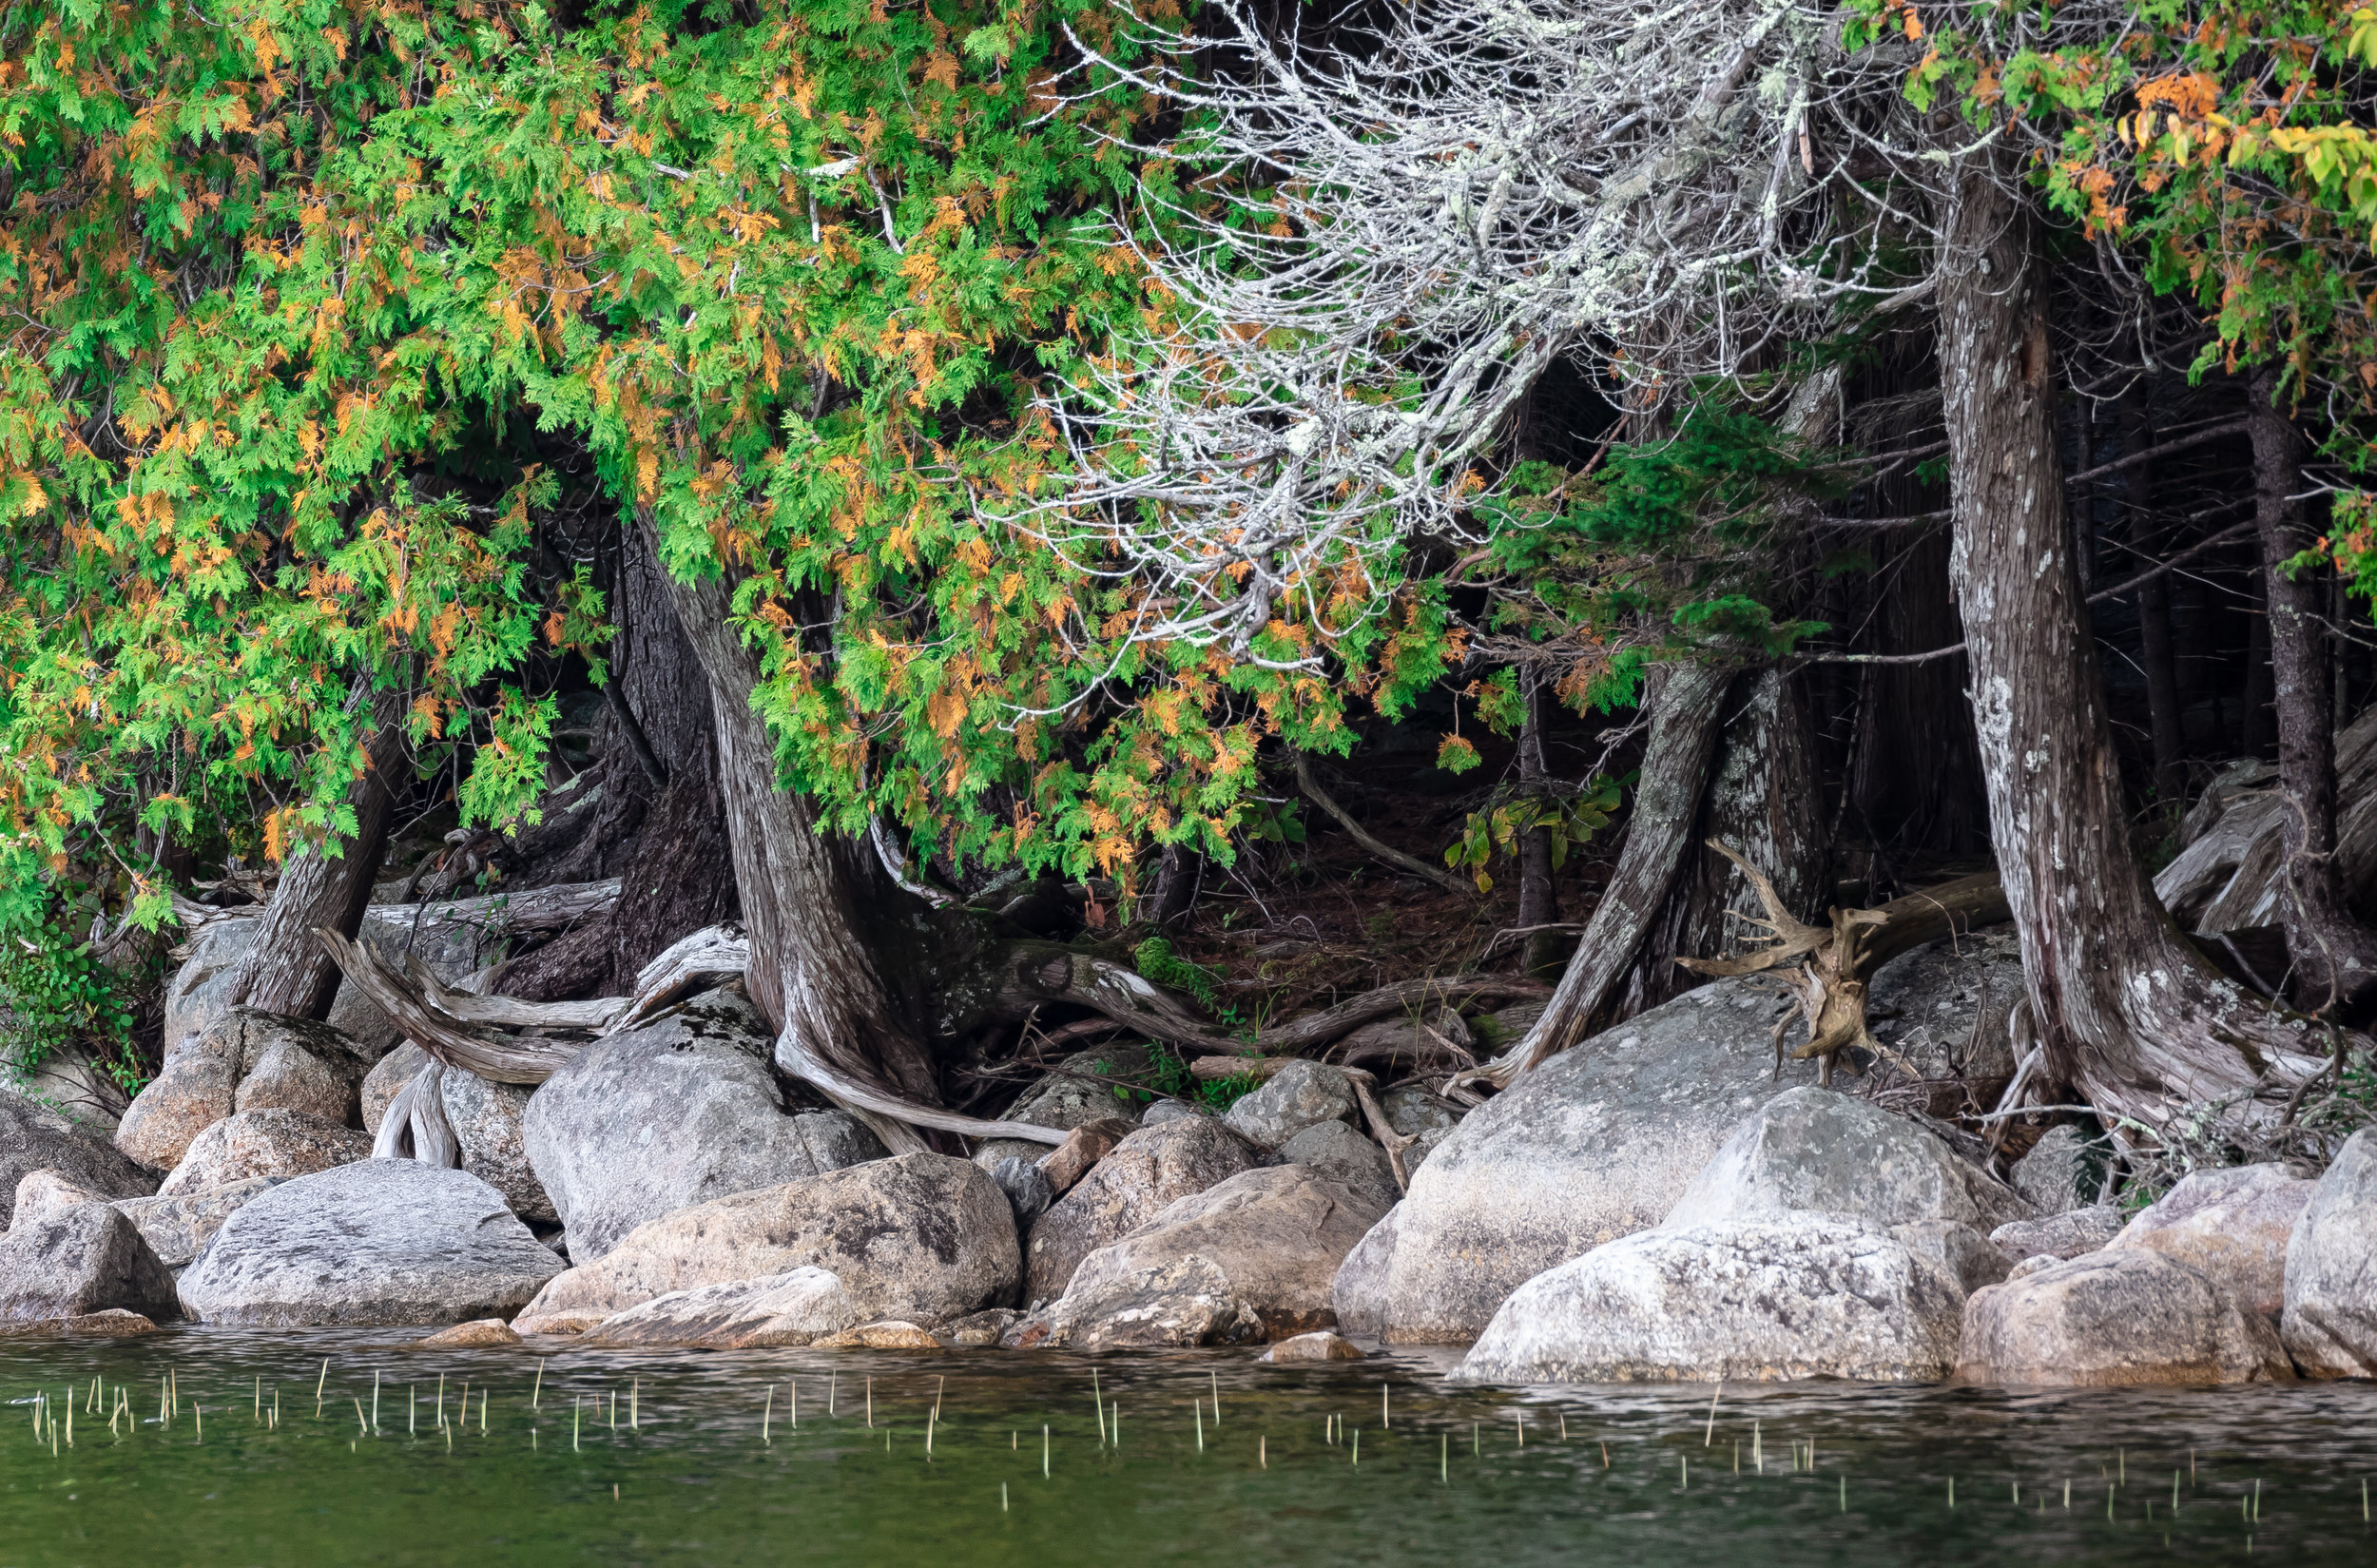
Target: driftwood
1826,967
552,908
414,1126
425,1012
469,1032
708,957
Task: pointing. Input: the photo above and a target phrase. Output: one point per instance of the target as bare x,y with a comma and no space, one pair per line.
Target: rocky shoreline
1663,1203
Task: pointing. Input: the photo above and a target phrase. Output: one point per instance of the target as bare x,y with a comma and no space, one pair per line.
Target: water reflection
1053,1460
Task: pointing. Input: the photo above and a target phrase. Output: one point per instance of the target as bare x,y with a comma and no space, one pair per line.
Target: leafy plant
1572,820
55,991
1172,1078
1157,961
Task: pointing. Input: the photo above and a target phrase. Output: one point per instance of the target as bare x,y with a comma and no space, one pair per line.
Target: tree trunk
806,897
287,970
1687,715
1764,800
664,837
2334,956
1538,903
2125,1007
2166,720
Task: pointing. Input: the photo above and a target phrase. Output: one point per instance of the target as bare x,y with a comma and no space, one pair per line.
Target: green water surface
1444,1474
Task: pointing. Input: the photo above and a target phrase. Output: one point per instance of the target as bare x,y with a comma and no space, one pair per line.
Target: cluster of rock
1661,1203
1654,1206
658,1188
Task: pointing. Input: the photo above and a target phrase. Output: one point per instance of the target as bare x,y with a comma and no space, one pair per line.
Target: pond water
1120,1462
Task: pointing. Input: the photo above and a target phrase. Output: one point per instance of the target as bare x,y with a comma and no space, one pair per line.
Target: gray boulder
1340,1155
34,1137
264,1143
1144,1174
1594,1145
922,1238
377,1244
2330,1320
666,1116
1415,1113
296,1065
2112,1319
1164,1111
1942,1009
1359,1292
1277,1237
44,1195
1185,1302
2231,1226
1742,1300
77,1262
1815,1151
799,1307
178,1228
1960,1252
1075,1093
1299,1096
2065,1235
488,1120
387,1079
2063,1170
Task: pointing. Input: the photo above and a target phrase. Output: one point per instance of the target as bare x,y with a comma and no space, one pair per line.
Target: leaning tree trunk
1687,716
2125,1007
287,970
807,901
2334,956
1765,800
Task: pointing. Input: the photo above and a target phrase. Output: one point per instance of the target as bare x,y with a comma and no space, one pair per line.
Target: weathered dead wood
421,1007
414,1126
552,908
1825,968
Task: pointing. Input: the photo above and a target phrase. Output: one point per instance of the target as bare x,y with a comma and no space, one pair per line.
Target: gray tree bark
2125,1007
287,970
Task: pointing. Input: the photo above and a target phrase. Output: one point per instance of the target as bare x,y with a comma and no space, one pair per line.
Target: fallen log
553,908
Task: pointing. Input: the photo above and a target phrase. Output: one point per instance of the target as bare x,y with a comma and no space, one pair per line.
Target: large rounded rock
264,1143
377,1244
2231,1226
1815,1151
1753,1300
2063,1170
661,1118
178,1228
79,1261
2059,1235
1300,1096
1276,1235
1137,1181
1339,1154
46,1195
1076,1092
1359,1292
451,949
2116,1318
1944,1009
296,1064
1179,1304
34,1137
487,1118
923,1238
2330,1320
1594,1145
796,1307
